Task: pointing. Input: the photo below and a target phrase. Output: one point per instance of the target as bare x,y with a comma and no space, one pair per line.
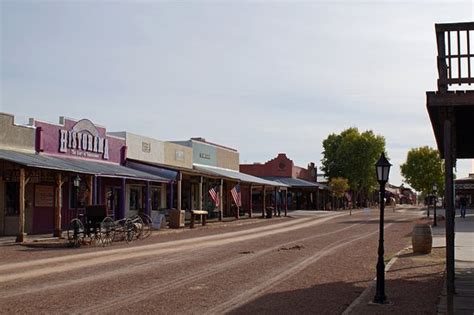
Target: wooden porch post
237,211
250,201
147,198
221,203
200,193
276,202
179,192
286,202
450,210
317,198
123,198
90,195
263,203
21,216
95,194
57,209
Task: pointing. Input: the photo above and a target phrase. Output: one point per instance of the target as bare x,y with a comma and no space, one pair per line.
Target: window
135,198
155,198
12,196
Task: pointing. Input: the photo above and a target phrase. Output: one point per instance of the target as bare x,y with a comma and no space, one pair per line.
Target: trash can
157,220
176,218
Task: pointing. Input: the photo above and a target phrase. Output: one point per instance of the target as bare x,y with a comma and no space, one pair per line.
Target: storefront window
135,198
12,196
155,198
112,197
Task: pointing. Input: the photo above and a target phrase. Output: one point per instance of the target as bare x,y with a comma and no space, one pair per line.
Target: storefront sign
83,140
44,196
205,156
146,147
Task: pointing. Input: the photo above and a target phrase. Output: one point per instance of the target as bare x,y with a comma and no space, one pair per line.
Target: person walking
463,204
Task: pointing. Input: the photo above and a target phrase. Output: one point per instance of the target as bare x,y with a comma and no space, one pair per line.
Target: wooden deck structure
451,111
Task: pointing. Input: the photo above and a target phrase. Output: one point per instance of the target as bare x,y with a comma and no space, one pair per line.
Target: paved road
307,263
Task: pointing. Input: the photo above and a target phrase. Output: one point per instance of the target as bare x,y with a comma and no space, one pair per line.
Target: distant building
304,191
464,188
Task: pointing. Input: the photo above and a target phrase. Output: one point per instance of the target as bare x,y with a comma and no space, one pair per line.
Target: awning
296,182
168,174
241,177
76,165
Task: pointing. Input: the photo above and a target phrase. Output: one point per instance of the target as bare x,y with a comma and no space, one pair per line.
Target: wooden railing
455,56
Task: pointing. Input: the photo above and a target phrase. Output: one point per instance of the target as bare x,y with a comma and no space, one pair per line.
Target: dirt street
306,263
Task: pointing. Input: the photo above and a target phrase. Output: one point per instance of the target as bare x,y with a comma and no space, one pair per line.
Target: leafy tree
339,186
353,155
422,168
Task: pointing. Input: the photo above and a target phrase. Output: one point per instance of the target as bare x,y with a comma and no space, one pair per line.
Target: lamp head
77,181
382,168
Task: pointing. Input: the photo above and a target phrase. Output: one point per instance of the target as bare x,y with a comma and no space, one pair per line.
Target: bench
201,213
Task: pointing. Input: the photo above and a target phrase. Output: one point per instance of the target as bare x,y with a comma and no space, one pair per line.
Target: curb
44,245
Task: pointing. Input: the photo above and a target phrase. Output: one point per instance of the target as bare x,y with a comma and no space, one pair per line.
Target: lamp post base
384,303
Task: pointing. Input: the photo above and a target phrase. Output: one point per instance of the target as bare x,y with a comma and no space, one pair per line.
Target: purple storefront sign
79,139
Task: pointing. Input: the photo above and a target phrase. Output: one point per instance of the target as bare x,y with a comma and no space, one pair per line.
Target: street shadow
329,298
334,298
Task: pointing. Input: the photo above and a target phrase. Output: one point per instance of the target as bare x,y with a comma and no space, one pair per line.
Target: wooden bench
201,213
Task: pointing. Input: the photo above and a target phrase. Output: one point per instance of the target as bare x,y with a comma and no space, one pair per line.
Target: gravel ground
314,264
413,284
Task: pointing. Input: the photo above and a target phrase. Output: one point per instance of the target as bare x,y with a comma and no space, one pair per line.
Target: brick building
304,192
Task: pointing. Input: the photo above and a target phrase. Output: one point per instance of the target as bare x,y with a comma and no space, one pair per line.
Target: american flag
236,195
214,195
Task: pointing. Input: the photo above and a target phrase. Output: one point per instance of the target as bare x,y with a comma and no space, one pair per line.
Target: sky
263,77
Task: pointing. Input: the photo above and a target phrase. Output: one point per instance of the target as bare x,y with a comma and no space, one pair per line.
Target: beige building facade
19,138
16,137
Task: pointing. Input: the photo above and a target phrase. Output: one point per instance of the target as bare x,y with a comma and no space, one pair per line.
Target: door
112,197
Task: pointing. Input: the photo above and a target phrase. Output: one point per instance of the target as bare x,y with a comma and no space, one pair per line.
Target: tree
353,155
422,168
338,186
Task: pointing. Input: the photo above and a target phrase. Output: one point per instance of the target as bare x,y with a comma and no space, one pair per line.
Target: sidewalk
11,240
464,264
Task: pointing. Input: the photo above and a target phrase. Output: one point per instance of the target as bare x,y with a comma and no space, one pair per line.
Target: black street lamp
435,197
382,168
77,183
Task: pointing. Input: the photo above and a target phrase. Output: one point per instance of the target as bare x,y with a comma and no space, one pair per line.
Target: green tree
339,186
422,168
353,155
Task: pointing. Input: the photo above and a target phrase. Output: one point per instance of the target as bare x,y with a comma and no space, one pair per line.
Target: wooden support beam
179,192
450,212
21,216
263,202
90,195
250,201
123,198
237,211
57,208
286,202
275,200
147,198
200,193
221,204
